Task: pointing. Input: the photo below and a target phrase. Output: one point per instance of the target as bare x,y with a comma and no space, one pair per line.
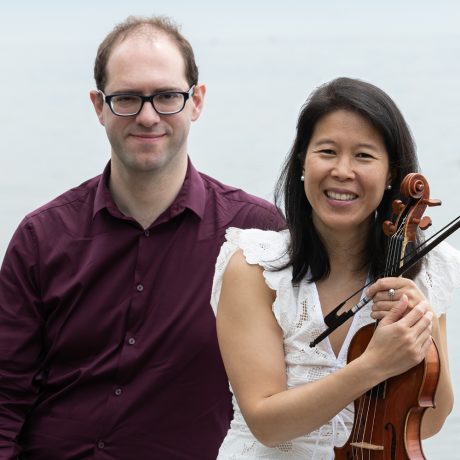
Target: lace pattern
298,312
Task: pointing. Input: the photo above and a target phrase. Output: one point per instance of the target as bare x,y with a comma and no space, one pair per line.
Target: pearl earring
302,178
388,187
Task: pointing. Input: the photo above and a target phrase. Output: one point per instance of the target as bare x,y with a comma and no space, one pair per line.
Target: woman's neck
346,251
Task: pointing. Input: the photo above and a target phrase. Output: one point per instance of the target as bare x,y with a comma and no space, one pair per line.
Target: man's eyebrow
165,89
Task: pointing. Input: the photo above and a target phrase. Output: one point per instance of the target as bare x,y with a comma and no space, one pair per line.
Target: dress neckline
342,355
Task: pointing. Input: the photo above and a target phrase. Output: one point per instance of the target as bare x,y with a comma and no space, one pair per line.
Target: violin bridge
366,445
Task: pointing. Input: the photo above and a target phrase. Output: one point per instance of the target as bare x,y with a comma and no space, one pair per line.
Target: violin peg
389,228
425,222
433,202
397,206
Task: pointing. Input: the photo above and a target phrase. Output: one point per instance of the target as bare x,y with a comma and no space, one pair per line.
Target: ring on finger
391,293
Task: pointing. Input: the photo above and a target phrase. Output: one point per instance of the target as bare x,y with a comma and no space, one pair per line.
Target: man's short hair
132,24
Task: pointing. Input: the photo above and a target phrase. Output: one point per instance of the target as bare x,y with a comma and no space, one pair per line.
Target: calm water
50,138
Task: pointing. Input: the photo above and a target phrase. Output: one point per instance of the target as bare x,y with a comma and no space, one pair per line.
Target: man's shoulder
234,194
72,199
239,208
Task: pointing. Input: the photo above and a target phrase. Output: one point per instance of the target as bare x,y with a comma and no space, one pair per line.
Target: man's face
147,142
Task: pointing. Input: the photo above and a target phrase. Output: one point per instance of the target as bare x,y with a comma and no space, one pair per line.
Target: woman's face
346,172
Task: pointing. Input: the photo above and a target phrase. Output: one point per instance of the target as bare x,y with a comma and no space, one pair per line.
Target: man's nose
148,115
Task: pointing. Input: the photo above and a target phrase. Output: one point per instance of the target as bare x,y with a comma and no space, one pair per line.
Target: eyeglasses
164,102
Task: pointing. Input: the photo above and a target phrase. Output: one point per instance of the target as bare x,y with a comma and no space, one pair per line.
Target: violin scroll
409,214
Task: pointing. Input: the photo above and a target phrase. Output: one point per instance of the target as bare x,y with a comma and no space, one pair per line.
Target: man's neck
144,196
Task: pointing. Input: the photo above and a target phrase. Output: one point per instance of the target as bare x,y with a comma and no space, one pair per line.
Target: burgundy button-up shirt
108,345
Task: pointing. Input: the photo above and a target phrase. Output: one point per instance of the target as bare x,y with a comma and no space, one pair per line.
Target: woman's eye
328,151
364,155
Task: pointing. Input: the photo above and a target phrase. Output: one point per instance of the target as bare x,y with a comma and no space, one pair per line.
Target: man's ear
198,100
98,104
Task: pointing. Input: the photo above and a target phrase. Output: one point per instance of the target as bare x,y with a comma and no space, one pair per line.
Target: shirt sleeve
20,336
263,217
273,221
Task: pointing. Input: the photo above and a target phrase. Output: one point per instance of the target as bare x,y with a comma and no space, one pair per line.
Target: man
108,342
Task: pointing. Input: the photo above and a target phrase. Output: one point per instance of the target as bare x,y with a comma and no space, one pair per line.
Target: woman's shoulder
263,247
439,276
444,262
266,248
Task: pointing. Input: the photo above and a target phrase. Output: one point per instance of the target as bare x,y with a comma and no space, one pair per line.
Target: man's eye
167,97
126,99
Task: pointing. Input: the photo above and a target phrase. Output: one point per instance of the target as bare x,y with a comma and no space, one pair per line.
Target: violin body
388,417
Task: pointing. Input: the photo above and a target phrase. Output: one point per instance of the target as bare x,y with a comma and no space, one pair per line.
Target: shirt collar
103,198
192,195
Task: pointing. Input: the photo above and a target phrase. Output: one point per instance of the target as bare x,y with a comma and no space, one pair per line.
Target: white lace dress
298,312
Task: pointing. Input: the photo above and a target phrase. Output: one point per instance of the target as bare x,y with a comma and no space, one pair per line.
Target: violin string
392,259
368,401
360,436
394,253
364,406
358,418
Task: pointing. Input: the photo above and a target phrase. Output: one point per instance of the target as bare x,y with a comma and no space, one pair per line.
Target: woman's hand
386,291
401,339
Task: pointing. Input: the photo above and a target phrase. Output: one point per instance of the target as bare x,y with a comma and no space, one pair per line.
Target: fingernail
429,315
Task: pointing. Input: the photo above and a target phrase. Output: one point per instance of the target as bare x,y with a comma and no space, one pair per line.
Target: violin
388,417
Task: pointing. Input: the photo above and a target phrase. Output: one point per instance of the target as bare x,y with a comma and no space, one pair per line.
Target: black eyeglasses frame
108,100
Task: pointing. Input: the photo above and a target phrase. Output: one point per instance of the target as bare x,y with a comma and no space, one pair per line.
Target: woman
272,290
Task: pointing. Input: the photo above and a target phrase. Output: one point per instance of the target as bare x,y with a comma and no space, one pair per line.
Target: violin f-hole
390,426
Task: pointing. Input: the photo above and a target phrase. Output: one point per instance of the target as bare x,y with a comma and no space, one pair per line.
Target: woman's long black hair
307,251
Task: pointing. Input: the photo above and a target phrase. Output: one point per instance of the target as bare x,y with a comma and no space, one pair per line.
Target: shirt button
131,340
101,444
147,233
140,287
118,391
